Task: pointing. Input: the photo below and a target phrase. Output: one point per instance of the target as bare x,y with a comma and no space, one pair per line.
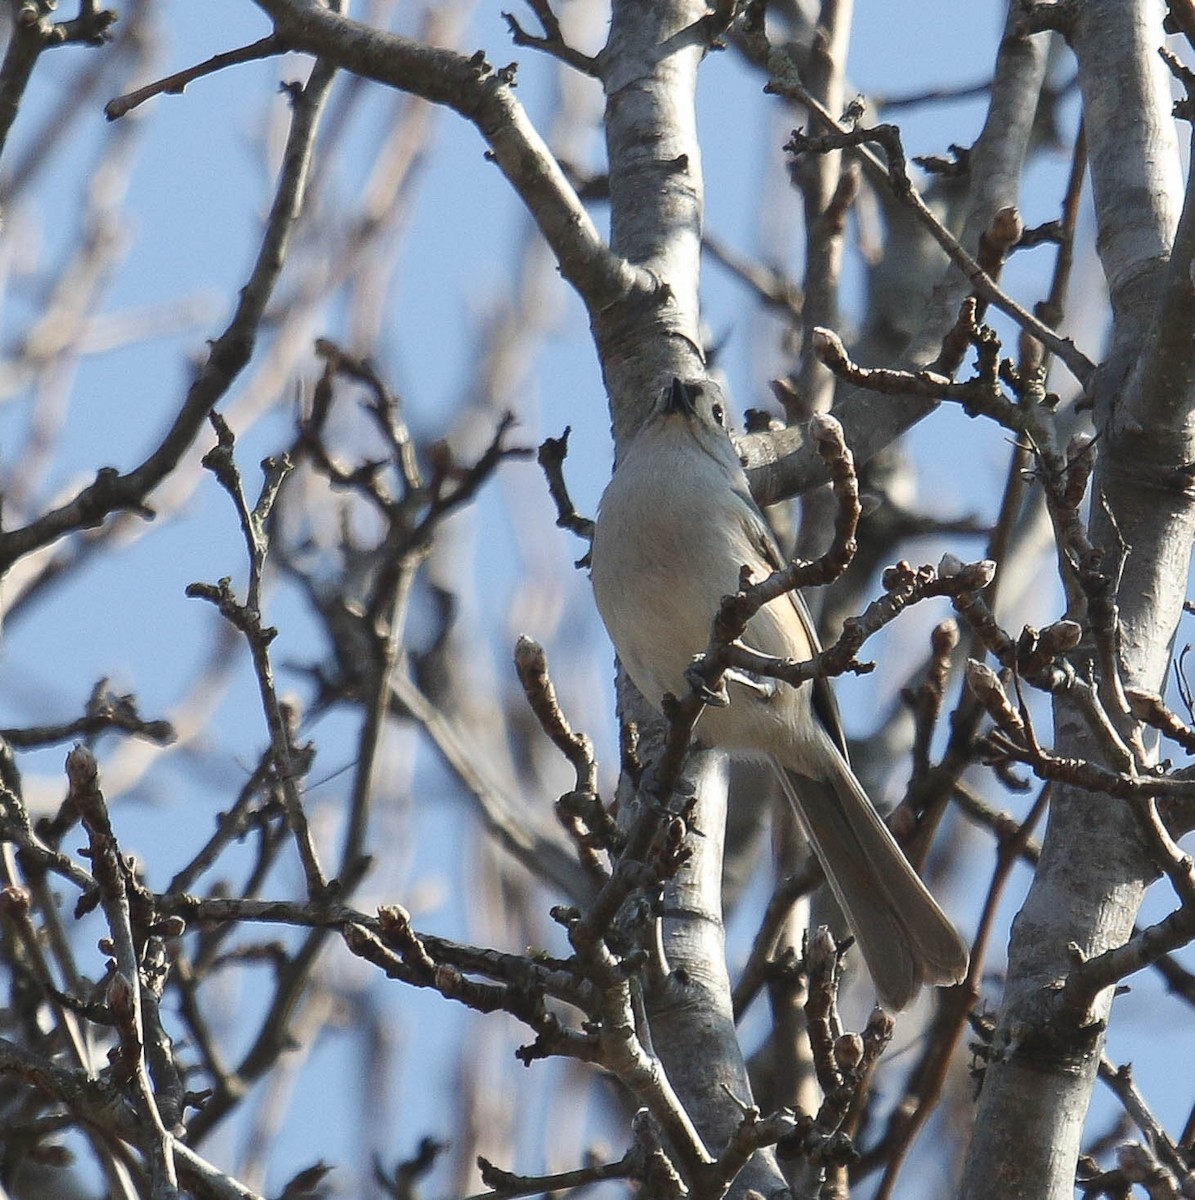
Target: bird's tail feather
906,939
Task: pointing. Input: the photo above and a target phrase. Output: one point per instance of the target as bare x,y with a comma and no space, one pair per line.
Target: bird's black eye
716,413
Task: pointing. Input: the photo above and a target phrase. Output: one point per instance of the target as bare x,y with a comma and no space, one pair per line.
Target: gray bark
656,191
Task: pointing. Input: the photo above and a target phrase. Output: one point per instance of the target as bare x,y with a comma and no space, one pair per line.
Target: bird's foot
761,685
717,697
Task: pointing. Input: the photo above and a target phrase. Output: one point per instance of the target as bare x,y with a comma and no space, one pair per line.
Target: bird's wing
763,542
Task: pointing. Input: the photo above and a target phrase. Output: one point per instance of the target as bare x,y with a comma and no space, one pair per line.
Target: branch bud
1059,637
944,638
848,1050
828,347
989,691
120,997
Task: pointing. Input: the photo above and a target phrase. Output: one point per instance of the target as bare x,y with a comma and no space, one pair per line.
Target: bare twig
551,456
897,176
505,1185
581,811
772,287
228,355
486,97
291,761
175,84
102,1106
33,32
124,984
104,711
552,41
545,859
1120,1080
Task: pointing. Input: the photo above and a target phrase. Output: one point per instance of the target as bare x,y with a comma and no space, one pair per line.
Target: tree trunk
1095,866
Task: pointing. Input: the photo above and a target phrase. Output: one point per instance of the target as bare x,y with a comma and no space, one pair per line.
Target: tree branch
485,97
227,357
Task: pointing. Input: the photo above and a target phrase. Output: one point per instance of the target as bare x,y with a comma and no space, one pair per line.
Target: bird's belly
658,642
659,635
775,723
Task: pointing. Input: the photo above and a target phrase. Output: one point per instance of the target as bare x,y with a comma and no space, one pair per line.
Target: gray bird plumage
675,526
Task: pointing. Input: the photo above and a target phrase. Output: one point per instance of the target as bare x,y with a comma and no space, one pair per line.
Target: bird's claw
761,685
717,697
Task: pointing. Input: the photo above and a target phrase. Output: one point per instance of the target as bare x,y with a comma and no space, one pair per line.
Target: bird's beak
680,399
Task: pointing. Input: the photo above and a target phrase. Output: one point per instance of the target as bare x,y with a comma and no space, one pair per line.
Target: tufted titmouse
675,526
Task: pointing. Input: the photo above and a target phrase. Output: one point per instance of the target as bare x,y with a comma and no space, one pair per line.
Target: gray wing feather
825,705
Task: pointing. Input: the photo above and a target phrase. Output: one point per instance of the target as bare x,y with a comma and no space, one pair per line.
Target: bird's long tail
906,939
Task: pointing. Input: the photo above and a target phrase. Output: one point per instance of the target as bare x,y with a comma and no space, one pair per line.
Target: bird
675,527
